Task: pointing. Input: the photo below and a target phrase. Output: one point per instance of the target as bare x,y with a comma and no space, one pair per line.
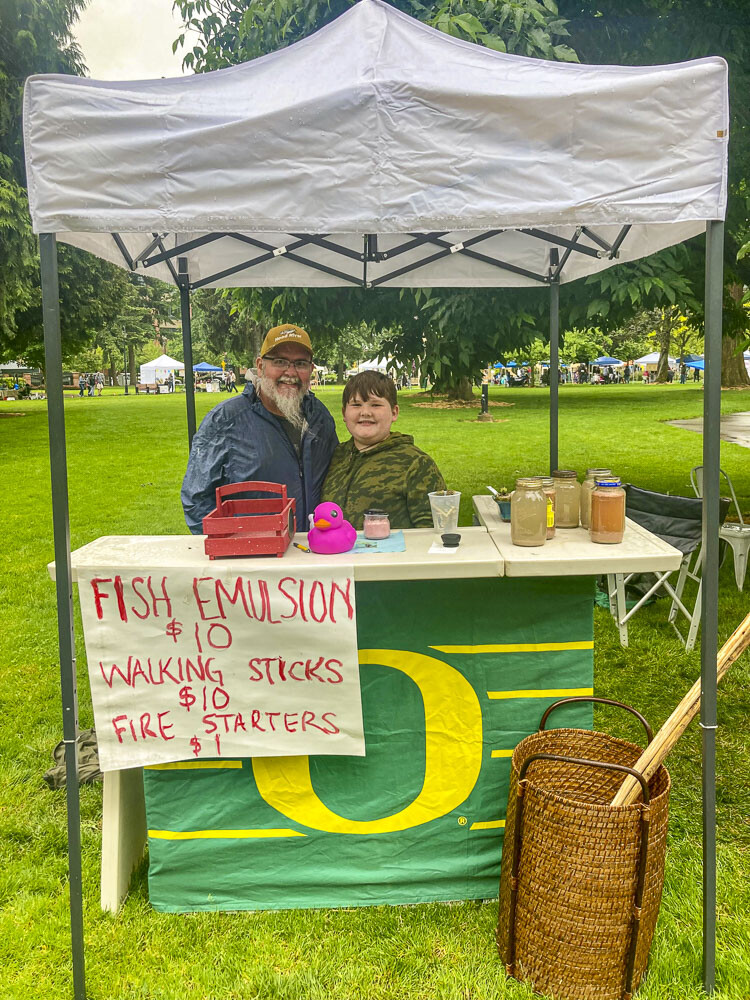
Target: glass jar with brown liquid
567,498
587,487
607,512
528,512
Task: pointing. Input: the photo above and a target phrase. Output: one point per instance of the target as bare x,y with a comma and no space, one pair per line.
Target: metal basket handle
591,763
602,701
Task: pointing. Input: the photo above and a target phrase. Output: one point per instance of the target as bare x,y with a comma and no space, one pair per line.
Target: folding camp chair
736,535
678,521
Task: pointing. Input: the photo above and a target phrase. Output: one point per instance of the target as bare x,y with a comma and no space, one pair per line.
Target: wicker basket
581,881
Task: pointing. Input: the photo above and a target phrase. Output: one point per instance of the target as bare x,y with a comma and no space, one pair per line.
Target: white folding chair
736,535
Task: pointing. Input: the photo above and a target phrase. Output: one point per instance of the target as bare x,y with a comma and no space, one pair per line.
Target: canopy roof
462,165
653,359
163,361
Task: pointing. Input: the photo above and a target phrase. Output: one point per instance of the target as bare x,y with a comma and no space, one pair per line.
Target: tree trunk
256,341
131,363
340,370
665,340
112,369
733,371
454,388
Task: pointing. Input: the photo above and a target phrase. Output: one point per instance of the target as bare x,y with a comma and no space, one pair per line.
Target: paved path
735,427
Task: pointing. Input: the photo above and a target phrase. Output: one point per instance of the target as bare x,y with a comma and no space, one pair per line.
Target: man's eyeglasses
282,364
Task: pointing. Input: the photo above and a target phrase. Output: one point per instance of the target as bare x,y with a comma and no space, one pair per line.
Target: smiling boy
377,466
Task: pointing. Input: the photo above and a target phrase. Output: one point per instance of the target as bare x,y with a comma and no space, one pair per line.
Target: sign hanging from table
186,667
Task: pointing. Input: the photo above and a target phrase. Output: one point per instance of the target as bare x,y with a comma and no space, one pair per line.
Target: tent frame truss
370,253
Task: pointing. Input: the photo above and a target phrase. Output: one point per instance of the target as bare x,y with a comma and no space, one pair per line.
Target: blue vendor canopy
695,364
204,366
607,361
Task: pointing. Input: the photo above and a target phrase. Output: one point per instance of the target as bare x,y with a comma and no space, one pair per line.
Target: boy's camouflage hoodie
393,475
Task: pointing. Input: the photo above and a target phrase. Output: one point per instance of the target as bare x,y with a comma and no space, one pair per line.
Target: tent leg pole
554,361
187,346
710,610
64,588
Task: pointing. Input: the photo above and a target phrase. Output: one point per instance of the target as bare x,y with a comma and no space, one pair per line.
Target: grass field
126,458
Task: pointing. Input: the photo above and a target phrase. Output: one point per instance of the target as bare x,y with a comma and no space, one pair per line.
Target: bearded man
276,431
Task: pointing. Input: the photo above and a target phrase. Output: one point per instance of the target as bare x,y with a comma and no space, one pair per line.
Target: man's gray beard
290,406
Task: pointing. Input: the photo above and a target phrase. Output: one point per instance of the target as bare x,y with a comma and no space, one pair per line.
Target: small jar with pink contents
377,524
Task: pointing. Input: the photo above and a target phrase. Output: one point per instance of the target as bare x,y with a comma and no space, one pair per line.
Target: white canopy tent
374,365
653,359
274,172
159,368
380,152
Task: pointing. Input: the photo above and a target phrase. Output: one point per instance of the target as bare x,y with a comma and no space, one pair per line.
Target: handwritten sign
221,664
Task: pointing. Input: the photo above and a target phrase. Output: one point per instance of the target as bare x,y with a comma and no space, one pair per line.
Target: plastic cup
444,508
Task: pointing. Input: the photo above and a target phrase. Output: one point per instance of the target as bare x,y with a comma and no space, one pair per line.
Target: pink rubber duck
330,532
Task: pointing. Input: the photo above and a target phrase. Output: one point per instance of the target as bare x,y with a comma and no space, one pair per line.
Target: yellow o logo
453,747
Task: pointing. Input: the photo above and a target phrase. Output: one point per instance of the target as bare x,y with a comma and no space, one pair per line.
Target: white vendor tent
652,359
160,368
374,365
381,152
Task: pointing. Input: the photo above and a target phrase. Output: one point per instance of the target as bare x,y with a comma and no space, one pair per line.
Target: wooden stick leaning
653,756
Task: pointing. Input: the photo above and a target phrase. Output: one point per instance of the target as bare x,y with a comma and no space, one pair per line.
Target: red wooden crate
262,526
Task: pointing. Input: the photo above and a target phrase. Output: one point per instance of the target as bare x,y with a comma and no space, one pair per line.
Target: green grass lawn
126,458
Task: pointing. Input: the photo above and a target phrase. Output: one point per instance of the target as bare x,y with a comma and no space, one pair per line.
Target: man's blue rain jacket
239,440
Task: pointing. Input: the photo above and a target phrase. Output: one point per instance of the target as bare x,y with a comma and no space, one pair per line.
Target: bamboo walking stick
653,756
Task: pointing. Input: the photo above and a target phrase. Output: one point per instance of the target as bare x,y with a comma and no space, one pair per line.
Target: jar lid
535,481
451,539
548,481
564,474
608,483
377,512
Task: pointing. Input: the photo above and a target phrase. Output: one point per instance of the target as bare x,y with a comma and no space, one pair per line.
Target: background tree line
453,331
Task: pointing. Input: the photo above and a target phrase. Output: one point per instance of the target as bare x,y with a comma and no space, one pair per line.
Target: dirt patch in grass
457,404
13,414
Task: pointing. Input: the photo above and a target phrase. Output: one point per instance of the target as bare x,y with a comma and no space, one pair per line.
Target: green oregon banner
453,673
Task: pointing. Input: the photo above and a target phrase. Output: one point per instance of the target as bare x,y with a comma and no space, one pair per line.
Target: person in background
275,431
626,374
696,375
83,381
379,467
99,381
231,381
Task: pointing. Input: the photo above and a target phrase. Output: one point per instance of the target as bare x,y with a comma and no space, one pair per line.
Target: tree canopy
35,37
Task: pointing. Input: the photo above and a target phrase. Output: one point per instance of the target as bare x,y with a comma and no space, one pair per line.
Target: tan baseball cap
285,334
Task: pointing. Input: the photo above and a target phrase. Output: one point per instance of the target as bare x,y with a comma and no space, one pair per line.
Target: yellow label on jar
550,514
